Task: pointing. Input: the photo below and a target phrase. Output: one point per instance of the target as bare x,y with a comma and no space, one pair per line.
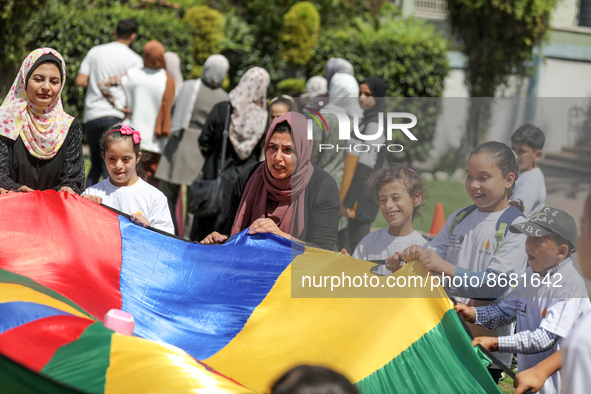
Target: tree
14,35
498,37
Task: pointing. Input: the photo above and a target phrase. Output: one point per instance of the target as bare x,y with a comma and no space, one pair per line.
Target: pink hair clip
126,130
411,170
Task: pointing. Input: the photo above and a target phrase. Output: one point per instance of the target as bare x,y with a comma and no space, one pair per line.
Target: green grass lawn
451,194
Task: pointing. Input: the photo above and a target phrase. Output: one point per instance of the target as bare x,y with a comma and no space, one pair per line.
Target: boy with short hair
527,142
549,298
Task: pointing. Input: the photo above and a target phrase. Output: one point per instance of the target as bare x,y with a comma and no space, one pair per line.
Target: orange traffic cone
438,220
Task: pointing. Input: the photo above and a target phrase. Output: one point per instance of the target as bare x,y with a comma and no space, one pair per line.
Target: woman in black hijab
357,205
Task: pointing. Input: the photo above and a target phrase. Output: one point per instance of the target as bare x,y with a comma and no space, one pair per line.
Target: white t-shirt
531,189
576,358
144,89
379,244
554,306
472,248
139,197
102,62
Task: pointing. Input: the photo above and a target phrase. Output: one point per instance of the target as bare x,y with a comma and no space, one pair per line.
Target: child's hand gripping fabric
139,219
429,259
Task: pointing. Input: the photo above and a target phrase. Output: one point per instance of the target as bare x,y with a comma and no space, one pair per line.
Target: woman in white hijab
173,67
181,160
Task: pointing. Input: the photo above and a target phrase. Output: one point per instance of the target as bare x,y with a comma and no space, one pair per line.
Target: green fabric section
83,363
441,361
14,378
10,277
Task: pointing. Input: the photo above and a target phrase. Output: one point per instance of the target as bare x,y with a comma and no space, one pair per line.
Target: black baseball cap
550,221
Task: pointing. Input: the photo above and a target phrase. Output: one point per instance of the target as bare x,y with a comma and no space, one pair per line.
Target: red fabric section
33,344
64,242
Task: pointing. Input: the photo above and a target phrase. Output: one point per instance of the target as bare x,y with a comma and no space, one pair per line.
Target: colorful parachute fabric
67,261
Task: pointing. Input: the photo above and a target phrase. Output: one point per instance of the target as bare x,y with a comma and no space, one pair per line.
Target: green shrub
407,53
206,25
299,33
292,86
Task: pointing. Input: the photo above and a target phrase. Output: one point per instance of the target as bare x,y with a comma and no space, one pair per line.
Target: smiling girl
124,190
474,244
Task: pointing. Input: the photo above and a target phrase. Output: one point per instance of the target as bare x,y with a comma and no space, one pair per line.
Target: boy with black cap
548,299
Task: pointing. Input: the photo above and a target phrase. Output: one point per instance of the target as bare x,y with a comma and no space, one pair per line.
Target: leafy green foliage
14,35
299,33
292,86
206,25
407,54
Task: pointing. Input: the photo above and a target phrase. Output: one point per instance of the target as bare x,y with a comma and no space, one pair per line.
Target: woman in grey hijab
337,65
333,66
316,86
181,160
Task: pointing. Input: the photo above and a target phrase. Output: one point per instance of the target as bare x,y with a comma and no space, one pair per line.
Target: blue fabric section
17,313
197,297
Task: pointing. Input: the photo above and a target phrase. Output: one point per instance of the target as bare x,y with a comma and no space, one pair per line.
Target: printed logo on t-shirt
456,240
485,247
521,308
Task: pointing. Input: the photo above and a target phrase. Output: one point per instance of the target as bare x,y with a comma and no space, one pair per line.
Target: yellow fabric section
141,366
355,336
10,292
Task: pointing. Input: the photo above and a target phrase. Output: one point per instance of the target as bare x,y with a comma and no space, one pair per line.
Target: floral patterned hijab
42,129
249,118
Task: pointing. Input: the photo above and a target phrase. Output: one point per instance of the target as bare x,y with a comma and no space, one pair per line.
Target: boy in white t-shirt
530,187
399,192
548,299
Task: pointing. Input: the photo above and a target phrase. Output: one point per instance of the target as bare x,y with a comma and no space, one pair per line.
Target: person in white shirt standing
103,62
527,141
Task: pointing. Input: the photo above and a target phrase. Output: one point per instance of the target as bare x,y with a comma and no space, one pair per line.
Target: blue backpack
502,226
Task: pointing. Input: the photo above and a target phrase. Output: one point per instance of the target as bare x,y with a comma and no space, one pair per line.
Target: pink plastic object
119,321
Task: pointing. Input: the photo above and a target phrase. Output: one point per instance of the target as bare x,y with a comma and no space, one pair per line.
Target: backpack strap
460,216
504,222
